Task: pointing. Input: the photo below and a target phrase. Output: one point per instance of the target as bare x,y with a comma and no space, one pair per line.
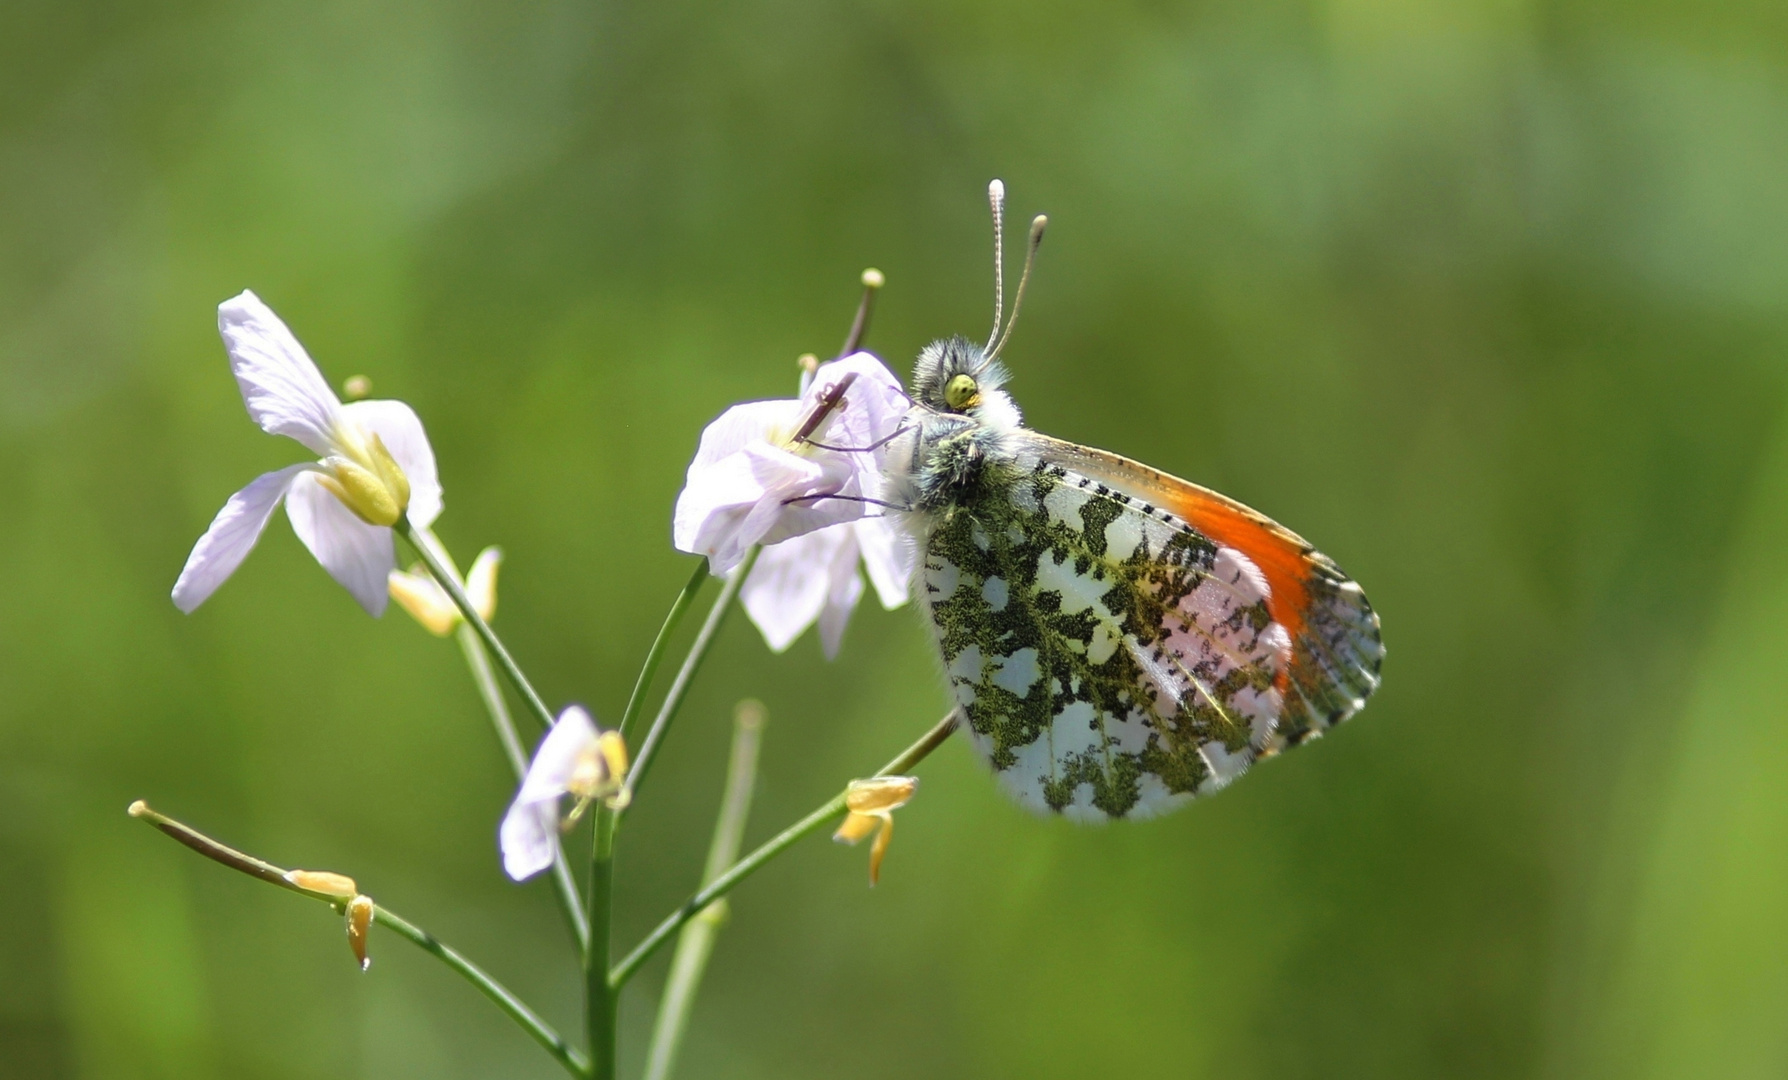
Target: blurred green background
1487,298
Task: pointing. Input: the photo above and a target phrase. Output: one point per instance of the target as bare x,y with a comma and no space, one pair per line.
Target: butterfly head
955,376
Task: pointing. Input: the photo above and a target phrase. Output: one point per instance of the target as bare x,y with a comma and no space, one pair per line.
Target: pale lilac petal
529,838
556,758
357,555
284,391
529,835
844,587
874,405
231,537
788,585
728,505
890,555
751,421
748,486
400,429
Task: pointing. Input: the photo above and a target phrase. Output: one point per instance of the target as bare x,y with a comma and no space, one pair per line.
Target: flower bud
360,915
420,595
324,881
872,803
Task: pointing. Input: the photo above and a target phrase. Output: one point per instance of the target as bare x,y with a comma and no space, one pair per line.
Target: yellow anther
601,773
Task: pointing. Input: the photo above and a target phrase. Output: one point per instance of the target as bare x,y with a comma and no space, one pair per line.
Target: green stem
695,943
567,1055
745,867
513,1006
673,698
479,662
655,655
599,995
450,582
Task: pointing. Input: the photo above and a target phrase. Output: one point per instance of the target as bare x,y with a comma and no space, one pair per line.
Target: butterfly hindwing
1115,659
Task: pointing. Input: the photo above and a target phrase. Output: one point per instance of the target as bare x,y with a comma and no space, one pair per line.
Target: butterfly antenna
996,198
1038,224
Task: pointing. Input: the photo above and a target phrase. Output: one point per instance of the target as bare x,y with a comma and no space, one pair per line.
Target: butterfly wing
1121,640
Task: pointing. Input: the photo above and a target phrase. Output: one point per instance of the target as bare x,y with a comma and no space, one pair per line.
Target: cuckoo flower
574,759
770,470
375,467
814,577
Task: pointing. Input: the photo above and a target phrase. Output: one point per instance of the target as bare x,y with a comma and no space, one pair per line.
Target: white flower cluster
800,477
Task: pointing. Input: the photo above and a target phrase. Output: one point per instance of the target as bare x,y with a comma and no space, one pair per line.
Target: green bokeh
1488,298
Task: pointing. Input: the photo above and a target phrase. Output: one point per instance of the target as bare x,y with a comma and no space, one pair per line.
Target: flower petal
890,555
481,582
528,838
788,585
844,587
751,421
874,405
400,429
231,537
284,391
556,758
729,504
529,835
357,555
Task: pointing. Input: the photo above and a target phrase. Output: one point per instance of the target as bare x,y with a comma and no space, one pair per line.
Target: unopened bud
481,582
880,794
419,594
360,915
324,881
872,804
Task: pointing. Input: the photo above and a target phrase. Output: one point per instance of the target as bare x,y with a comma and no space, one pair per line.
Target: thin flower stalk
673,698
695,942
478,662
564,1053
636,701
744,868
469,611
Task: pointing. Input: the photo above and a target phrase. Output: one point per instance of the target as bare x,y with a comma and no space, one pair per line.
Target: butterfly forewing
1113,657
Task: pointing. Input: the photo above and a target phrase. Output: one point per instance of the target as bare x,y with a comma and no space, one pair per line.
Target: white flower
574,759
814,577
417,592
375,467
752,482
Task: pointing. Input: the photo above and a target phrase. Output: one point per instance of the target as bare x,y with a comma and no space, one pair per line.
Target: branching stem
575,1063
781,842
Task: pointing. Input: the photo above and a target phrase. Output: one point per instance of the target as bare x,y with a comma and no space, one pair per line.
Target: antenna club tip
996,190
1038,224
873,278
138,809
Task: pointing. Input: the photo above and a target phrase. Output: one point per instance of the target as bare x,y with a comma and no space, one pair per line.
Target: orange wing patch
1336,648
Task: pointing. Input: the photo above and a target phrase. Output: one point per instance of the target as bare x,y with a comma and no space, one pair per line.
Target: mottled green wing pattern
1111,660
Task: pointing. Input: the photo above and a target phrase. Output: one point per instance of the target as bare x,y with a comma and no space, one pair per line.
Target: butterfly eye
962,392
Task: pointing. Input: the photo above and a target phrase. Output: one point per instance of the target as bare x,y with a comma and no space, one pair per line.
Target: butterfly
1119,641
